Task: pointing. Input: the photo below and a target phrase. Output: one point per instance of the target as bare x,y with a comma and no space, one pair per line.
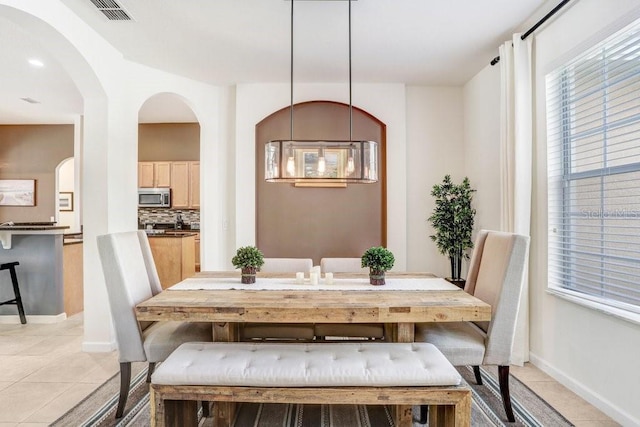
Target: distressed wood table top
318,306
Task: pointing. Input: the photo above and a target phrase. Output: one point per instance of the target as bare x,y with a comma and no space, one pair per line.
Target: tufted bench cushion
370,373
307,365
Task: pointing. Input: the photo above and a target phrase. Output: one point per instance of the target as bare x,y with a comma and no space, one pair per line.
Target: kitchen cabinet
185,185
154,174
174,256
197,247
72,277
194,185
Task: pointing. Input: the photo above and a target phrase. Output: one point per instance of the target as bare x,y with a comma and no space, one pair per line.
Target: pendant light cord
291,69
350,93
291,82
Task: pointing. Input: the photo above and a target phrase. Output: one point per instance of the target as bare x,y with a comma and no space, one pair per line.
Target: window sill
597,306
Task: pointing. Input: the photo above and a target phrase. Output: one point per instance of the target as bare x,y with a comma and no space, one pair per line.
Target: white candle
300,277
314,277
328,278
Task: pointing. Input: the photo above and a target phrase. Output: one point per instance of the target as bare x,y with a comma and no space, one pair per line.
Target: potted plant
379,260
249,259
452,219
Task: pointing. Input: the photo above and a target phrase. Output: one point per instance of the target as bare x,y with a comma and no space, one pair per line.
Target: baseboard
37,319
613,411
99,346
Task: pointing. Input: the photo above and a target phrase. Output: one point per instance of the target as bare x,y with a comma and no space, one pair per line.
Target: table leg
226,332
224,412
404,332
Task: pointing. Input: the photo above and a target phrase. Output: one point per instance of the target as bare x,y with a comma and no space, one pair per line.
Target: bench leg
458,415
180,413
223,413
403,416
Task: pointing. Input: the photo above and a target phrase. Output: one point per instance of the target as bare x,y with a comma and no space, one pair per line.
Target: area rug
98,409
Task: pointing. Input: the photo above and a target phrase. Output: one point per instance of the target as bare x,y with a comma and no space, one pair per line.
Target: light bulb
291,166
322,165
351,166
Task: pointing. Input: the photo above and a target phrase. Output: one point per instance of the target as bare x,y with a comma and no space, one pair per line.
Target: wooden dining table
220,298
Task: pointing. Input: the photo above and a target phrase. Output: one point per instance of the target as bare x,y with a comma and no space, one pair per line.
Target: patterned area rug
98,409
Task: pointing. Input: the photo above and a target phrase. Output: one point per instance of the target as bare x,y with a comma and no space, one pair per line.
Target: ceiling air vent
112,10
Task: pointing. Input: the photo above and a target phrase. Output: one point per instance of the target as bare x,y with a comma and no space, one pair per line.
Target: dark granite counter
173,234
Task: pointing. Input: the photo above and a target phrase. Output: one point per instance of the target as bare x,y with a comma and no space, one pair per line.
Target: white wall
482,145
594,354
434,149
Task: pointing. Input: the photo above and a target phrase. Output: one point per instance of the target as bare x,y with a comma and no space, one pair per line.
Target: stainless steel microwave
154,197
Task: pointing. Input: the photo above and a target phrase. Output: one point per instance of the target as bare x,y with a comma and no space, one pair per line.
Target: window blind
593,161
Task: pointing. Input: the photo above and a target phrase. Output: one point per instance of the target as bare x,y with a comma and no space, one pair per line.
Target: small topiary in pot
249,259
379,260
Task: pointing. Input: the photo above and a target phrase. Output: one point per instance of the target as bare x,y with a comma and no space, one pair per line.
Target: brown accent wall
168,141
319,222
33,152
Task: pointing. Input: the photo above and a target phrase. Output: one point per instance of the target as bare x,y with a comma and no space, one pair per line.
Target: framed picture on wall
65,201
17,192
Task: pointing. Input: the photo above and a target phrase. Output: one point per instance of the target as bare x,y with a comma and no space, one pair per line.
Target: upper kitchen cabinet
185,185
154,174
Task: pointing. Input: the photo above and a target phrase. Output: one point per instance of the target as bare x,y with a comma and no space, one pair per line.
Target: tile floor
45,373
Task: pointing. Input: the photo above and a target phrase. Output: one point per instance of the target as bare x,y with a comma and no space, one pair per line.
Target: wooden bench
315,373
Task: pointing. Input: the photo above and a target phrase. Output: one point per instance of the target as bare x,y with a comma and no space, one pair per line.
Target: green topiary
378,258
248,256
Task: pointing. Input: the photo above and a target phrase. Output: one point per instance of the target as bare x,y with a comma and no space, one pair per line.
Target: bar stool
11,266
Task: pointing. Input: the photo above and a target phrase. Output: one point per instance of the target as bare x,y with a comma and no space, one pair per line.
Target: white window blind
593,160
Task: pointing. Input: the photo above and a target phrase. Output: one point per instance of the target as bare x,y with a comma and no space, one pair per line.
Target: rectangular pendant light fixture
321,161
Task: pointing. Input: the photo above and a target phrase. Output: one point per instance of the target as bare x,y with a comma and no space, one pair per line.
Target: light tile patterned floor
45,373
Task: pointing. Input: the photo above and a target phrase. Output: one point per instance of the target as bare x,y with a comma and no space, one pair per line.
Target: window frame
563,105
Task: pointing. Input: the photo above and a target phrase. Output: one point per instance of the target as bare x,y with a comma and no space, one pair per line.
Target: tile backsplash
164,215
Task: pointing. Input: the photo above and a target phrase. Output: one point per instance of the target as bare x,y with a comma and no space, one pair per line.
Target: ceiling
226,42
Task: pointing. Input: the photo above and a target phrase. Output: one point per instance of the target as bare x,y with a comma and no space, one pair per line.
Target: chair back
342,265
496,276
152,272
127,281
286,265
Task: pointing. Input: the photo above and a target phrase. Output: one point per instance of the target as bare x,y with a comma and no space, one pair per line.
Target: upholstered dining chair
131,278
286,265
353,330
495,276
281,331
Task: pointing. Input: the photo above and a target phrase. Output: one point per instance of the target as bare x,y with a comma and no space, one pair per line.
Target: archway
320,222
169,136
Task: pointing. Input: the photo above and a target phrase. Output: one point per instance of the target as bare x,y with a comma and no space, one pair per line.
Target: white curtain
516,147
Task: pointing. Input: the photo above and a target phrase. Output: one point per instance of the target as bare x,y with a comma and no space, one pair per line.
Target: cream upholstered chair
342,265
287,265
131,278
353,330
495,276
281,331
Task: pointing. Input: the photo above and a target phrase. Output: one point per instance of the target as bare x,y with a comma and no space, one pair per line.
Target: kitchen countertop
33,227
174,234
8,231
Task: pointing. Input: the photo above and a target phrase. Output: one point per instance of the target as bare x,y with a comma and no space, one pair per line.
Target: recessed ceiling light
36,62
